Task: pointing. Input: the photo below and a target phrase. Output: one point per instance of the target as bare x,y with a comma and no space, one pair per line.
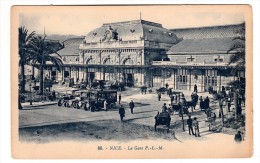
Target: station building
143,53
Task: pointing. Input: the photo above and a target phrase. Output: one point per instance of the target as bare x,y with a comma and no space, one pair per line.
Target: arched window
127,61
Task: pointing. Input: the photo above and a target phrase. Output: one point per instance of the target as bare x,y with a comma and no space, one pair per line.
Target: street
52,123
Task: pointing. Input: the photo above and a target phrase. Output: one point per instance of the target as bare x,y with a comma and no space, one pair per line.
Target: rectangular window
182,76
211,81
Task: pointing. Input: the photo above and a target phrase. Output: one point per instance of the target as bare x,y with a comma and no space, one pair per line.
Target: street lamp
182,105
30,85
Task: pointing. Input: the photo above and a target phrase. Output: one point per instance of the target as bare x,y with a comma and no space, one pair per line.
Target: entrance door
66,74
211,79
91,76
53,75
182,79
129,79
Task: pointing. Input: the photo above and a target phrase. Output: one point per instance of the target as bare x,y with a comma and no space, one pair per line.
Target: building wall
200,58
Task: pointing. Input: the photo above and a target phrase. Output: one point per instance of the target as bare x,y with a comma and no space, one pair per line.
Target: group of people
193,123
204,103
121,110
143,90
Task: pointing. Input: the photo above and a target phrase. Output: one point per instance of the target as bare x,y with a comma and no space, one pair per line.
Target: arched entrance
108,73
90,73
128,74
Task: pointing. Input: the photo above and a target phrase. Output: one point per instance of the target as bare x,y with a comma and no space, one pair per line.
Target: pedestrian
178,98
122,112
206,102
159,96
145,90
195,88
53,95
172,98
233,112
196,127
166,85
228,105
105,105
238,137
169,109
164,107
189,122
132,105
142,90
119,99
220,108
223,89
201,103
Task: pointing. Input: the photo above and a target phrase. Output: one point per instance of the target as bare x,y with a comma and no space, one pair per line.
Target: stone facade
133,52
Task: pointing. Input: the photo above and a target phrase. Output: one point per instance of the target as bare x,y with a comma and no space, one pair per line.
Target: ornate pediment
110,35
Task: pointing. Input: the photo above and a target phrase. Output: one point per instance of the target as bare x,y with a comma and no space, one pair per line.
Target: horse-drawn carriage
117,86
67,98
161,90
180,108
162,118
97,98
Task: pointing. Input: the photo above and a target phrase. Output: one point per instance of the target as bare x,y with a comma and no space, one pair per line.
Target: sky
79,20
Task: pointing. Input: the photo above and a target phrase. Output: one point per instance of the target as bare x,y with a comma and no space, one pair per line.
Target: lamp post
30,85
182,105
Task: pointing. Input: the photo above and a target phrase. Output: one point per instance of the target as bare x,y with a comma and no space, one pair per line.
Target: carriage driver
164,107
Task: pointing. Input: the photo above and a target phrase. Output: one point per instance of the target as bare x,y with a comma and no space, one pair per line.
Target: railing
189,63
112,44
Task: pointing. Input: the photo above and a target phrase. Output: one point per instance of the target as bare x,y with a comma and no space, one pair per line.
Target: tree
24,53
43,51
238,50
238,59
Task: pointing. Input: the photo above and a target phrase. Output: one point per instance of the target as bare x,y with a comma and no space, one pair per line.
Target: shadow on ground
94,130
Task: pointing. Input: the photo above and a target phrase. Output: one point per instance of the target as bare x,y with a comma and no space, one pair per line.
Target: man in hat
122,112
189,122
196,127
132,105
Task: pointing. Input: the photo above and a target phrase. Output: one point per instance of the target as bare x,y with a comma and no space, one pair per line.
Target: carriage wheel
74,105
92,108
85,107
82,106
112,106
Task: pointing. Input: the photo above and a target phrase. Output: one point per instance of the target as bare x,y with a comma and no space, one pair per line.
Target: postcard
132,81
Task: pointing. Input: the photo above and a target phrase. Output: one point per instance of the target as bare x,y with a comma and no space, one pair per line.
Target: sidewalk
38,104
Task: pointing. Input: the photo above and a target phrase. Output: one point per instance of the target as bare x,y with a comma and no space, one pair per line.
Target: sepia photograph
140,81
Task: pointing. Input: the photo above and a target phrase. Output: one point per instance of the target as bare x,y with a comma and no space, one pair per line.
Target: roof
209,32
133,30
205,45
71,46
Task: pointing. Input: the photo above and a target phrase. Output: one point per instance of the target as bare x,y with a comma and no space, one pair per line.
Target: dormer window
132,30
150,30
94,33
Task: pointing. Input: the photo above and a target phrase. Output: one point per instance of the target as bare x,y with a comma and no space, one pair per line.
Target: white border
5,114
